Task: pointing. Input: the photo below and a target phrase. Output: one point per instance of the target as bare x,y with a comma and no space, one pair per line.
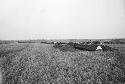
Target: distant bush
71,44
96,42
82,43
44,42
107,42
88,42
26,42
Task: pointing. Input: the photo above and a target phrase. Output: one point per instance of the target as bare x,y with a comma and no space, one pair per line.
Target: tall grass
43,64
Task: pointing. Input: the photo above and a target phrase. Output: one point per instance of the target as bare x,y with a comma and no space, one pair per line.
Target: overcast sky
62,19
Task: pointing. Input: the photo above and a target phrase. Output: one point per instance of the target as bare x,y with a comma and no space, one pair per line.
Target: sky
62,19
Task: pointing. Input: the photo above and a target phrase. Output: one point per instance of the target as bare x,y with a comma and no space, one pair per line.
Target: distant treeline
112,41
115,41
6,41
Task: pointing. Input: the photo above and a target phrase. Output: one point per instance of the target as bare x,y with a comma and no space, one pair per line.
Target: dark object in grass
92,47
65,47
107,48
57,45
85,47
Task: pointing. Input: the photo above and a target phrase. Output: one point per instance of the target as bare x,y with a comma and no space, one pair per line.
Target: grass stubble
35,63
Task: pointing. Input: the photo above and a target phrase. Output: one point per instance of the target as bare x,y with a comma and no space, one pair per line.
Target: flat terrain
36,63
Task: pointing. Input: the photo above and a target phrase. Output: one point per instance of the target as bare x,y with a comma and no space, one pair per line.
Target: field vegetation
37,63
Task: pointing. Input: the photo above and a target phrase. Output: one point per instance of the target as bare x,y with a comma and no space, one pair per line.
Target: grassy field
36,63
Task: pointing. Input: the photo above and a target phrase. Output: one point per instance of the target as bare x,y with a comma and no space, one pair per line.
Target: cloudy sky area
62,19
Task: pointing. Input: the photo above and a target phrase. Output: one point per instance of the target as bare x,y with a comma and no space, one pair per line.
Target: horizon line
61,39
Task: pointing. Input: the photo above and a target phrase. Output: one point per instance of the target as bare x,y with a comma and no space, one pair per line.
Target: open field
37,63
